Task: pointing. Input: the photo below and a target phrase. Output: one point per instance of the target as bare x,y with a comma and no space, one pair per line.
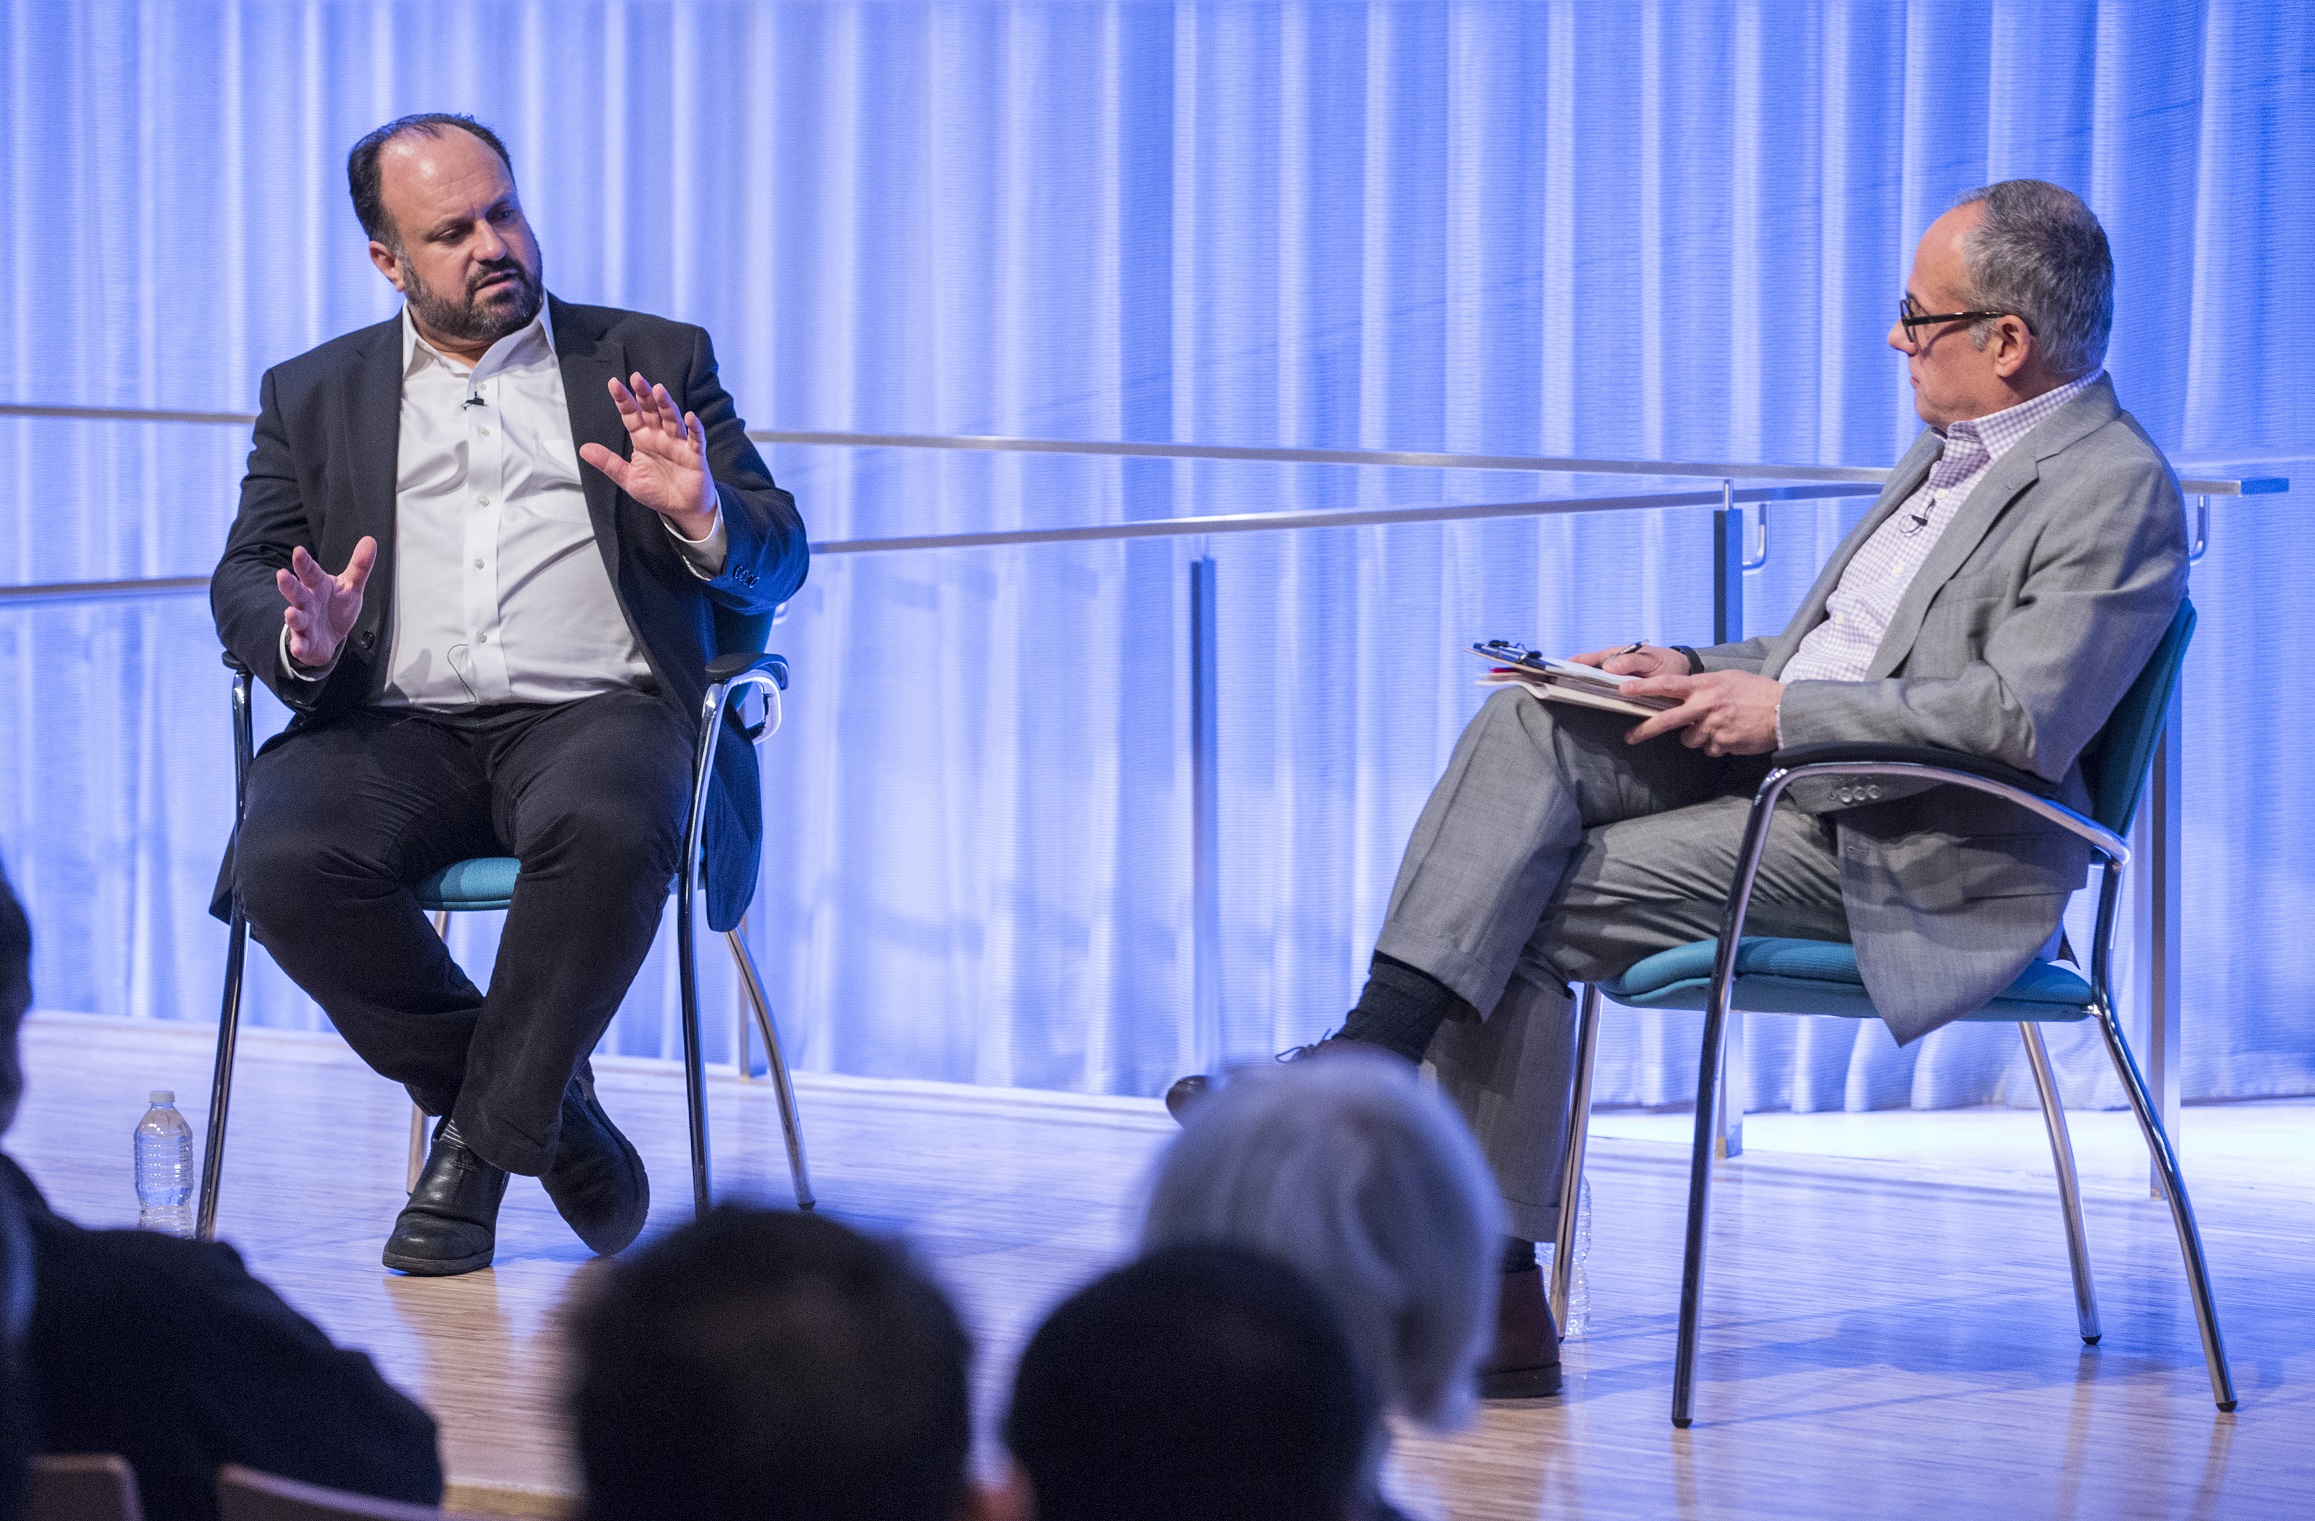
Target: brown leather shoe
1185,1092
1188,1092
1524,1363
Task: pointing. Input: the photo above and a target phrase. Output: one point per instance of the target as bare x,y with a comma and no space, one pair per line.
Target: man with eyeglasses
2005,590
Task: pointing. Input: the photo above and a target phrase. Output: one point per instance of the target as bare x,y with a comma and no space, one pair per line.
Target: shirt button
484,500
484,639
485,432
478,565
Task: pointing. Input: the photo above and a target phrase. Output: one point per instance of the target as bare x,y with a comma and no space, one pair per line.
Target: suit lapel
589,362
2010,476
373,425
1903,481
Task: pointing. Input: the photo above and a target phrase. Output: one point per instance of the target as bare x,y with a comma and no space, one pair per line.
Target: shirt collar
1999,432
416,351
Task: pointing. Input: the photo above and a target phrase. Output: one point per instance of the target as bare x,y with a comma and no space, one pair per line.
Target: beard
477,315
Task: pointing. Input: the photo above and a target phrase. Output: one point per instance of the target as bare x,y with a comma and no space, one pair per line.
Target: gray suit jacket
2030,619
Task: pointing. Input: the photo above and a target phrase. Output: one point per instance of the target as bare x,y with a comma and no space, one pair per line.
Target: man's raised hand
668,471
322,607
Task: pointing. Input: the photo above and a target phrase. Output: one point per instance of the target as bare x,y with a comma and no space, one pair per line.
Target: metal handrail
1152,528
1127,449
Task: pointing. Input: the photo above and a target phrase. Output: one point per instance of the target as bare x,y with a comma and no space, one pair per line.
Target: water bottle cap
162,1096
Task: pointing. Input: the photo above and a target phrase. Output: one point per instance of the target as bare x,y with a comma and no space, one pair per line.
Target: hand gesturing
322,607
668,472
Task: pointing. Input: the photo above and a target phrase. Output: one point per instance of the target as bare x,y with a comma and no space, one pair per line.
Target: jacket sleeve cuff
305,675
705,556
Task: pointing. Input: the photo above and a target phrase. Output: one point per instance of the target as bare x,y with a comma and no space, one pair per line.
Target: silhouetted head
1202,1381
767,1366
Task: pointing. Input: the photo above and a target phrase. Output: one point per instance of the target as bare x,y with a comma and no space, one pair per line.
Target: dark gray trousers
1552,852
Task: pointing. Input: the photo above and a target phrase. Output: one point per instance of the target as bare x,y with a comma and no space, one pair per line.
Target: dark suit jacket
168,1353
322,472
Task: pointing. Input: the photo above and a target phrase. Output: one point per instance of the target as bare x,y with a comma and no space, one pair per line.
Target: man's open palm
668,470
322,607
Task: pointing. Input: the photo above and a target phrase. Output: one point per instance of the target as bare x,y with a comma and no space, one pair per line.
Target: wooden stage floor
1888,1327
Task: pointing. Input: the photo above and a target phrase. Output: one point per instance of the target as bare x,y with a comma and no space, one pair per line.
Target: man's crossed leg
344,820
1552,851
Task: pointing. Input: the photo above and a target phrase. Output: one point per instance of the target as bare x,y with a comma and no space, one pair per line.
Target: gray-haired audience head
766,1366
1353,1170
1201,1383
2039,252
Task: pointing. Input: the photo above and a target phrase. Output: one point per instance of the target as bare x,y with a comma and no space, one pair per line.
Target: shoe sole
437,1267
1520,1383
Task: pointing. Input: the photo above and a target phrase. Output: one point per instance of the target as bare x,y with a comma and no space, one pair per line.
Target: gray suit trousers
1553,852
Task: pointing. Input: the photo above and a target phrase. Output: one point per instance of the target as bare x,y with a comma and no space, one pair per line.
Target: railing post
1205,822
1727,625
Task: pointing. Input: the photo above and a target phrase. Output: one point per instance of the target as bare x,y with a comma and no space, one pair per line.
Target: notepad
1568,681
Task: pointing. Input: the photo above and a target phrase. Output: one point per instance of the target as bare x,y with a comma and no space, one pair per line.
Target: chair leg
1571,1178
782,1088
221,1076
740,1043
417,1150
1699,1196
2214,1349
2069,1188
694,1062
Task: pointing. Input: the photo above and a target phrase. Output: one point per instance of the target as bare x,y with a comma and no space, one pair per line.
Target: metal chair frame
2115,854
729,677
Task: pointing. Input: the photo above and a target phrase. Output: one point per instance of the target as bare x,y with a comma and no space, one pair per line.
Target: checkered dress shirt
1857,614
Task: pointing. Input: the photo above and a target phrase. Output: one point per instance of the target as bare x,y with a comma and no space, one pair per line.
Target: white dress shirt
1858,612
500,592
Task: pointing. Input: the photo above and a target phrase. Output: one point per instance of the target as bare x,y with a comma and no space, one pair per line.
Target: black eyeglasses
1912,317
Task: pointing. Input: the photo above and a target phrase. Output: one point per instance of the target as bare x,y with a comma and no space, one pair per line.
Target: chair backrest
244,1494
82,1487
2115,763
742,633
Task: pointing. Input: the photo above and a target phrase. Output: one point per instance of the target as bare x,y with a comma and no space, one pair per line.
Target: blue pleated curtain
1669,231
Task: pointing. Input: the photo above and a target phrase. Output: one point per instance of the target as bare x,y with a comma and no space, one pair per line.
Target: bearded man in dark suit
537,510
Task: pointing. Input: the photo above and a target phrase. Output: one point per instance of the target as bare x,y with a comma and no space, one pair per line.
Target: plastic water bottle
1579,1288
164,1168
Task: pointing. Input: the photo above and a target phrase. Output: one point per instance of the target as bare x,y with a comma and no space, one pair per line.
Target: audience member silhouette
761,1366
1202,1381
169,1353
1353,1171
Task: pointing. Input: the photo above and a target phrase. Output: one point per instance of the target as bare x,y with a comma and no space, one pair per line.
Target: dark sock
1518,1255
1400,1008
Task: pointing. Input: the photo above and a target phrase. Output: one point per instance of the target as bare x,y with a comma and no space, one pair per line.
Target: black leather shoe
1524,1362
1188,1092
451,1222
596,1179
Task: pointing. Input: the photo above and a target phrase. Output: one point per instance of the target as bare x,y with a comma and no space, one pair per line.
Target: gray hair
1347,1167
2041,254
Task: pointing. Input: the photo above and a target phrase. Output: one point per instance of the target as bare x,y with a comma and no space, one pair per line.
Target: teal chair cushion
469,886
1778,976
